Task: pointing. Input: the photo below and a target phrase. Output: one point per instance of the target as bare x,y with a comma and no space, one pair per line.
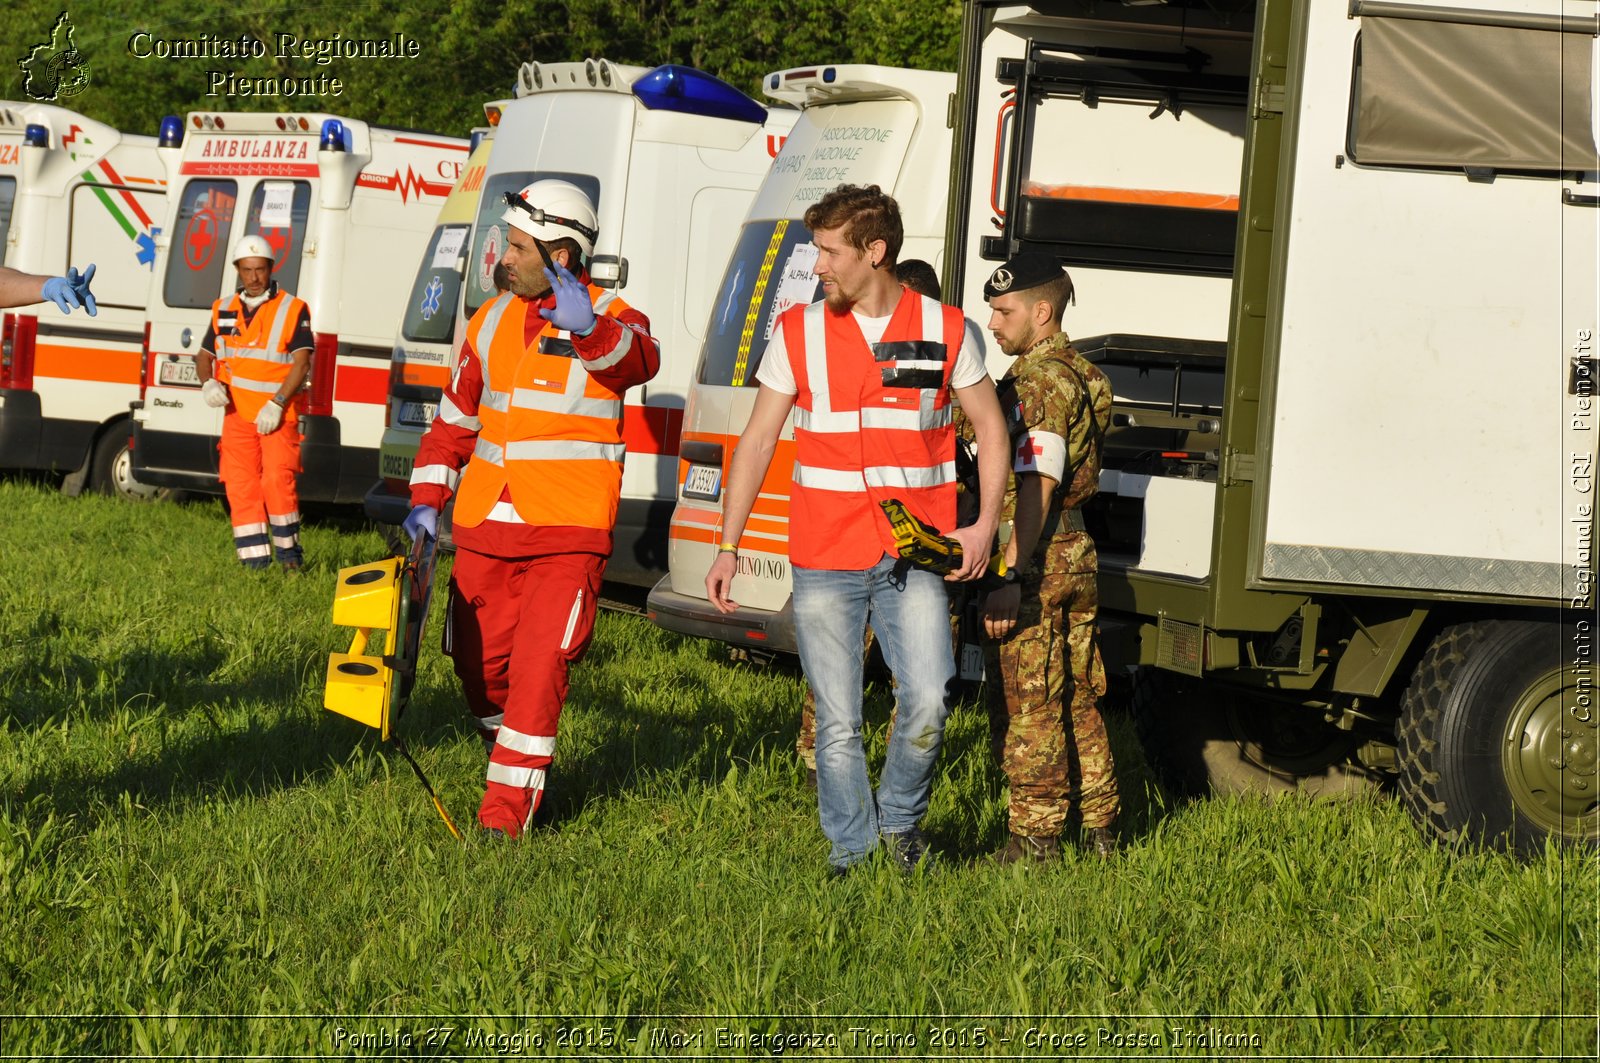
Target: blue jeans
910,615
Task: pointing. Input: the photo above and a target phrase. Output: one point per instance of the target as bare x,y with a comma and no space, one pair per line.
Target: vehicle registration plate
418,413
971,662
179,372
703,481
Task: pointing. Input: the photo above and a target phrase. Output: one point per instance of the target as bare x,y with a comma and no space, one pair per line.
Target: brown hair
919,276
1058,293
862,214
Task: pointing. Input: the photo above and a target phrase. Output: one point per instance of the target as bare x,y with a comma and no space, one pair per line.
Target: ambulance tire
111,467
1207,737
1498,738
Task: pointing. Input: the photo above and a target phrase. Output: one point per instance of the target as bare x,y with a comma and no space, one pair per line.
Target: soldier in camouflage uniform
1042,660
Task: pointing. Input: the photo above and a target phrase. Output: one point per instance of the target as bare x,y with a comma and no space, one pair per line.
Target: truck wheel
1208,736
1497,738
111,467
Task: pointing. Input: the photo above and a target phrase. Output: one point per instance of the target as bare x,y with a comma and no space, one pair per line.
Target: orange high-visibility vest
255,363
870,423
550,431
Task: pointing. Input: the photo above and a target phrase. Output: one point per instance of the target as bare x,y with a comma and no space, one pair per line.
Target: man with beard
870,372
529,440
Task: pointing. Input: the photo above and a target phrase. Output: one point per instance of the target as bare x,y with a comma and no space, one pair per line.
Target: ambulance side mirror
609,271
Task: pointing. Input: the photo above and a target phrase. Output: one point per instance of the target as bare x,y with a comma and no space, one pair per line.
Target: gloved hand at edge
214,392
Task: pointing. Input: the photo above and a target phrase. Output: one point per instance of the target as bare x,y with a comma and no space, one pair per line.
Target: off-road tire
1202,736
1494,747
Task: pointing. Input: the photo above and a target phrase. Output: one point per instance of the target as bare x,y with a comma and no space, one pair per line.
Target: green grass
196,858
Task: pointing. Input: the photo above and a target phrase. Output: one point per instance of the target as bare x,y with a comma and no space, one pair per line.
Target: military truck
1338,260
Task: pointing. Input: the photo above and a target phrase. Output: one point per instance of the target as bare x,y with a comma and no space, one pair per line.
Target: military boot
1100,841
1028,848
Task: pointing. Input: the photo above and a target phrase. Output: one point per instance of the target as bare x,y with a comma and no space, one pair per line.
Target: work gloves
72,291
214,392
270,417
574,309
421,519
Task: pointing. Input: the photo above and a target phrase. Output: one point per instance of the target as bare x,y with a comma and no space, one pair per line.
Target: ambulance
429,333
671,157
341,202
858,125
75,191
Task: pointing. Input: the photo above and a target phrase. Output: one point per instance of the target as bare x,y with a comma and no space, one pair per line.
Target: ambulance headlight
332,135
36,136
171,131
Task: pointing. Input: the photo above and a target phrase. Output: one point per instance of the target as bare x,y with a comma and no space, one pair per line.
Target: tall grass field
198,860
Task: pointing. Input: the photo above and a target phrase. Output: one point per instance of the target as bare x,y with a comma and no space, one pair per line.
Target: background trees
470,49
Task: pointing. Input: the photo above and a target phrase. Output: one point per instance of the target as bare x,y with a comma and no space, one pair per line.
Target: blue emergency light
171,132
36,136
475,139
332,135
670,87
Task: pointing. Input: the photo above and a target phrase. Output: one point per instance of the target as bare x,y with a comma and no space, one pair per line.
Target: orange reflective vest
870,423
255,363
551,432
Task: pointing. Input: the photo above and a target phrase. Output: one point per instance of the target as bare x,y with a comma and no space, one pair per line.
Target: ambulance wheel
1204,737
111,467
1498,739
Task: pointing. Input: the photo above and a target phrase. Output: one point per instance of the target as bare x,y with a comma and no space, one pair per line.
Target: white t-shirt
776,373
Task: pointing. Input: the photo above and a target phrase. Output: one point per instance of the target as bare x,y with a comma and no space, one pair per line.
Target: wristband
728,548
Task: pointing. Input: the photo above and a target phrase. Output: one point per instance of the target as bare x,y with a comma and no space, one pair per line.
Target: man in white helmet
529,441
253,360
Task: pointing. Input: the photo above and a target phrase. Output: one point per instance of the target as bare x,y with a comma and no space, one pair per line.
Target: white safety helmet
252,247
549,210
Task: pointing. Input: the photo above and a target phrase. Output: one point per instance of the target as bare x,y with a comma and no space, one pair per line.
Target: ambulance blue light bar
36,136
332,135
670,87
171,132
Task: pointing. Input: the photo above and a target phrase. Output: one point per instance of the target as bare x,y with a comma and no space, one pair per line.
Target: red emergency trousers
523,595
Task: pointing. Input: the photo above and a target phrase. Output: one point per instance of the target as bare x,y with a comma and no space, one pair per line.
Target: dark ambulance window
8,196
201,236
278,214
431,311
743,315
489,234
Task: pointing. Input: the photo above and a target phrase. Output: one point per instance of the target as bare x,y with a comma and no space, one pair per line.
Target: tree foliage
470,50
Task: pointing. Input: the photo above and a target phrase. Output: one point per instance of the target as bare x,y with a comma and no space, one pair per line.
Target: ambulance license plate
971,662
703,481
178,372
418,413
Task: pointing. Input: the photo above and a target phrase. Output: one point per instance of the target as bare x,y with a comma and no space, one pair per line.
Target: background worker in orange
253,360
529,440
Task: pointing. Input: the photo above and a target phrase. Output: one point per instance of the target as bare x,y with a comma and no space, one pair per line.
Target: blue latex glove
574,309
421,519
80,287
71,291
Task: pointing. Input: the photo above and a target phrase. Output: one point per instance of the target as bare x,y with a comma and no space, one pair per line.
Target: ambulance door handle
1572,199
185,336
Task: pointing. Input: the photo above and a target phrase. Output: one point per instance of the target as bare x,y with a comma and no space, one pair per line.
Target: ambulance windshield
431,310
770,271
8,195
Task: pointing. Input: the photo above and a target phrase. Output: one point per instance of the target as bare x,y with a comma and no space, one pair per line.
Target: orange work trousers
258,471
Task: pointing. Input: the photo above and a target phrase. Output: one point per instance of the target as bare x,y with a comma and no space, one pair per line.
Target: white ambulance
858,125
75,191
341,202
671,157
429,333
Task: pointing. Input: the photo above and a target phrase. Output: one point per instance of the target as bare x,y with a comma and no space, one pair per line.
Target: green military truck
1338,261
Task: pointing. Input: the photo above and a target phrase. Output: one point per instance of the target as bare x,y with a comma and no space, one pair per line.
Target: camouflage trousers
1042,680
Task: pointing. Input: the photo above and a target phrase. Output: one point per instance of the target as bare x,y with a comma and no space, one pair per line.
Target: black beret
1027,270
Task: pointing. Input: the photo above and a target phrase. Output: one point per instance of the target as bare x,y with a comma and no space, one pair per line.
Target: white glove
215,392
270,417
